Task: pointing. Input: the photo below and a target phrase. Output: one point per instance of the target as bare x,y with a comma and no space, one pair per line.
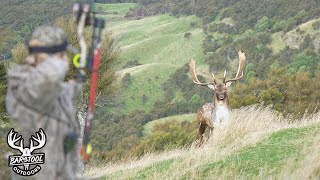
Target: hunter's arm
42,84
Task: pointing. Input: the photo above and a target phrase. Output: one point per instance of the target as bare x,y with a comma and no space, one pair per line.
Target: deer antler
192,67
242,62
13,139
41,139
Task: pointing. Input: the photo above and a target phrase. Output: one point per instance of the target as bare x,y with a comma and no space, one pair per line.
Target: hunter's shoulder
19,70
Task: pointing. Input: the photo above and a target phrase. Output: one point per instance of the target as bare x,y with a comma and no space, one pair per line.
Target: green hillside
253,146
154,81
157,43
146,128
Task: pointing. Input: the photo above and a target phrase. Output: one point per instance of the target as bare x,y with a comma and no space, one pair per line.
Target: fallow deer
214,114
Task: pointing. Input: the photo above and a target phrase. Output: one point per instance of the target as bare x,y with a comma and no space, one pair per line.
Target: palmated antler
239,75
192,67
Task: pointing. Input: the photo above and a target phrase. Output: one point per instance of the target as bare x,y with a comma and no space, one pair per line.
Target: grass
147,172
277,43
257,144
158,44
294,38
159,39
114,13
148,83
120,8
272,153
185,117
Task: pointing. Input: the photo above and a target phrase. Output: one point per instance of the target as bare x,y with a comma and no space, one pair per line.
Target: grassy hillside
153,77
114,13
157,43
257,144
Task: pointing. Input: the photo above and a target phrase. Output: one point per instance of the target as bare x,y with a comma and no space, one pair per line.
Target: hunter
39,97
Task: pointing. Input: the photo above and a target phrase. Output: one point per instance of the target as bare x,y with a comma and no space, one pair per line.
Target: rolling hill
158,44
258,143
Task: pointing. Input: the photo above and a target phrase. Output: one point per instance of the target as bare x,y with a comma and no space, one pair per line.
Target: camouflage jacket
37,97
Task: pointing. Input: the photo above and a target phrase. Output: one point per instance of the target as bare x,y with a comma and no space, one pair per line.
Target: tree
301,60
195,101
263,24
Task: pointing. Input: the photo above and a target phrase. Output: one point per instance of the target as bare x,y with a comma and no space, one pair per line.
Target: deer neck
221,112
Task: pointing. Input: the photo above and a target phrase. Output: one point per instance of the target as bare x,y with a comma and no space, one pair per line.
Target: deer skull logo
26,158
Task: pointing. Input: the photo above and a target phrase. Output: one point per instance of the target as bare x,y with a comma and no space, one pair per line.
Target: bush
131,63
263,24
316,25
168,135
126,80
187,35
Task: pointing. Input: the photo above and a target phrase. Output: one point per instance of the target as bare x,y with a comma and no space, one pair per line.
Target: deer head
219,88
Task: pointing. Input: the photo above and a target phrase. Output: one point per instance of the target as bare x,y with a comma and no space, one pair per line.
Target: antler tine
12,138
192,67
214,78
41,139
235,79
242,61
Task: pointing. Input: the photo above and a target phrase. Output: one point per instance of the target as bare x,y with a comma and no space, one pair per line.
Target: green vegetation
155,79
147,129
152,108
113,13
19,18
121,9
271,154
162,50
277,44
284,151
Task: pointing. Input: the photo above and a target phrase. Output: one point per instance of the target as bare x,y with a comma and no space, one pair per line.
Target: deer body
217,113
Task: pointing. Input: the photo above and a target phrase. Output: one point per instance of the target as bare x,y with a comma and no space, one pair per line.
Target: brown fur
204,119
204,114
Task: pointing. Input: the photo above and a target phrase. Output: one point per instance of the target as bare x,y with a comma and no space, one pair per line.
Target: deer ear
210,86
228,84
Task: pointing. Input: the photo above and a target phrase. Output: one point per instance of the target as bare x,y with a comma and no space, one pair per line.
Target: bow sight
85,16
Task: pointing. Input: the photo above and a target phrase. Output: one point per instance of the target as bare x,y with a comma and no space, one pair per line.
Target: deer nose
221,96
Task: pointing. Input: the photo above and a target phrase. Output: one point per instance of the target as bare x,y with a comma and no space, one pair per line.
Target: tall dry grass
248,126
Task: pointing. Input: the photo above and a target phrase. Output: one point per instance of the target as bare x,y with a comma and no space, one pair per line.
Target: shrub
168,135
263,24
187,35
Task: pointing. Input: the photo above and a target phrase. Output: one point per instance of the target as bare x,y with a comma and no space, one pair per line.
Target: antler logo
26,159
